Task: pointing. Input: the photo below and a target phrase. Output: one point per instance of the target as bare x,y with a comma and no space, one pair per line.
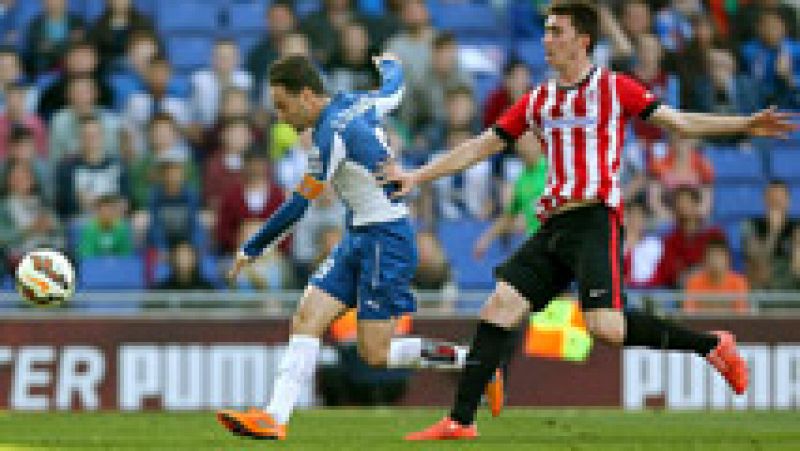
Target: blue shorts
371,268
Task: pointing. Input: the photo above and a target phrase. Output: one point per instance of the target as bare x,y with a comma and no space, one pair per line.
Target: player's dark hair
583,15
686,190
296,73
458,90
162,116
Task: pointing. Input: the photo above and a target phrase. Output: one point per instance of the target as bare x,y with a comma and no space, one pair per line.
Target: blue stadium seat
785,164
191,52
524,21
794,208
304,8
468,19
731,164
146,7
531,52
93,9
246,41
372,7
733,233
737,201
485,83
187,16
111,273
247,15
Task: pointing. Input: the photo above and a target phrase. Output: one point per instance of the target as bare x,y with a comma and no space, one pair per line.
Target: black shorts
584,244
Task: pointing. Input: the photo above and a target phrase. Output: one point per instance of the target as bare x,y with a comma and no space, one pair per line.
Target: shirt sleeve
636,99
388,97
513,122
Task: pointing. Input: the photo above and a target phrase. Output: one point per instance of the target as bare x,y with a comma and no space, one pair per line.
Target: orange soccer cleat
495,393
445,429
726,359
253,423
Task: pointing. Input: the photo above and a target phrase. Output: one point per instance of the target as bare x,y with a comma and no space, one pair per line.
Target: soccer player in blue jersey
372,266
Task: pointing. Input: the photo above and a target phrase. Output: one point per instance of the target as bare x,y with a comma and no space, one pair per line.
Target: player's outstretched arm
765,123
388,96
277,226
456,160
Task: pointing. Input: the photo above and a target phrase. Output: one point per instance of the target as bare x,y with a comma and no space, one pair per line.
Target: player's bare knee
607,325
505,307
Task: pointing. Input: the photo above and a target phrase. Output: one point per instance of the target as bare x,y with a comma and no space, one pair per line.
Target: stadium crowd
114,141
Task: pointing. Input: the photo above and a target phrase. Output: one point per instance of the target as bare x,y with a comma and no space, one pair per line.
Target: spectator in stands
642,250
426,100
174,207
12,76
21,146
270,271
516,82
160,95
26,222
208,84
467,194
234,104
166,142
184,271
433,270
49,35
744,27
81,61
788,278
715,287
325,213
722,90
114,28
130,74
693,62
683,166
773,61
650,71
65,127
255,199
685,245
351,69
280,22
769,240
324,28
635,21
82,179
108,232
414,45
673,24
225,166
16,115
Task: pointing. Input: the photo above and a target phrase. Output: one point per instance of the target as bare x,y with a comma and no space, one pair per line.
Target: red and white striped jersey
582,129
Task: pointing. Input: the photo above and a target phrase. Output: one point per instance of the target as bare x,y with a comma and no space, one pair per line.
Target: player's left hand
390,172
771,123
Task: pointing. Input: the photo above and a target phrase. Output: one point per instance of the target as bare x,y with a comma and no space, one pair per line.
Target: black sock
492,346
643,329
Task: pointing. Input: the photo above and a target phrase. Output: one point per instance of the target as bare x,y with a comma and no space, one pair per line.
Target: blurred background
138,137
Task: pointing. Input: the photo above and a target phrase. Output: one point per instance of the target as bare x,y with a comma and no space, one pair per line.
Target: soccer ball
45,277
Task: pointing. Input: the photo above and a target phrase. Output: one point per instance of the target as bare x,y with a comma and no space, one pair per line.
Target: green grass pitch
383,429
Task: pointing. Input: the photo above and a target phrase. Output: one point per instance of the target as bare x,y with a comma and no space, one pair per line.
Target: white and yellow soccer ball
45,277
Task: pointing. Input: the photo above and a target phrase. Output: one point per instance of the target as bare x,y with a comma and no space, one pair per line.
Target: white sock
405,352
295,372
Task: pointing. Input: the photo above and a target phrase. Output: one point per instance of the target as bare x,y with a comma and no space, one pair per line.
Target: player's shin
643,329
492,346
295,373
418,352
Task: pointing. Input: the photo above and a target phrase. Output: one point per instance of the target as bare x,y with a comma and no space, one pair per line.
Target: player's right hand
239,263
390,172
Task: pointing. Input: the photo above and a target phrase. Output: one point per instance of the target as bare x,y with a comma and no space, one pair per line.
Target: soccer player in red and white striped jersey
579,118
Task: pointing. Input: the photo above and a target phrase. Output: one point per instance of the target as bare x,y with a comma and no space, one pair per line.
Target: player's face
562,44
292,109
